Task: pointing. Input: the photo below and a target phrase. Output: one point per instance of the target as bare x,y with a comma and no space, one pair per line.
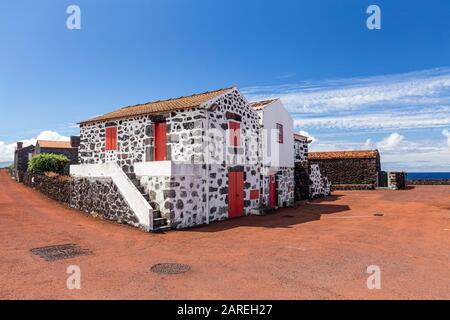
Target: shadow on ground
282,218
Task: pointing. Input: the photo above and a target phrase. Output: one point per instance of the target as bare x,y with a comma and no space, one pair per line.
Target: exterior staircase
160,224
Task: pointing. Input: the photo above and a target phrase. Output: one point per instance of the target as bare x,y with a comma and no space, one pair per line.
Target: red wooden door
160,141
235,194
272,192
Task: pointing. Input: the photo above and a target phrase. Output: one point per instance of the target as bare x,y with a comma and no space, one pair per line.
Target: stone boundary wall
430,182
55,187
101,197
302,181
349,171
321,186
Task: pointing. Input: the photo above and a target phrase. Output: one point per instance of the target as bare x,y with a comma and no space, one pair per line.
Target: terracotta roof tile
258,105
54,144
187,102
363,154
300,136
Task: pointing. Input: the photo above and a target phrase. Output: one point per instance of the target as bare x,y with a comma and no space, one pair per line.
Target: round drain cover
170,268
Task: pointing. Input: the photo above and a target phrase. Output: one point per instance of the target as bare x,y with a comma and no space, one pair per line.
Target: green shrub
46,162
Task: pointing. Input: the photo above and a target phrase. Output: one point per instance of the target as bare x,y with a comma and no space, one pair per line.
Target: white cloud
400,90
368,145
384,121
310,136
7,149
446,134
390,142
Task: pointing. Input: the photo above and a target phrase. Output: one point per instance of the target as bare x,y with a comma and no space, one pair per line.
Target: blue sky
347,86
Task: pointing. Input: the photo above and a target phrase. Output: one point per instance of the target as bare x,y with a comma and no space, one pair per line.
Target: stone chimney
19,145
75,141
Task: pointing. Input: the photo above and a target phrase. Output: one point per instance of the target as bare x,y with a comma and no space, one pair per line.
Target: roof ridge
180,97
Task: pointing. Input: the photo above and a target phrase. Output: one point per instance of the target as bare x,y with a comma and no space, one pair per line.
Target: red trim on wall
254,194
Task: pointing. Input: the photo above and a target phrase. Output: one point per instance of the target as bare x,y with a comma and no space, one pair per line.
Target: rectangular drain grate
59,252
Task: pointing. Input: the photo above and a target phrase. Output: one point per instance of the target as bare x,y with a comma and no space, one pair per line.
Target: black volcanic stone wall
100,196
429,182
302,181
56,187
349,171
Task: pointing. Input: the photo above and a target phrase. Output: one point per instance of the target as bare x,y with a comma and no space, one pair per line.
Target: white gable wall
284,156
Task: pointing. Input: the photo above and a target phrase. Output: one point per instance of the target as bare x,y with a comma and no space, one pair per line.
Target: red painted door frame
160,141
235,194
272,191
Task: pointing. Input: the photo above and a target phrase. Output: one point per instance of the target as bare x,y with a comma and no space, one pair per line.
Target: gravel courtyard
320,250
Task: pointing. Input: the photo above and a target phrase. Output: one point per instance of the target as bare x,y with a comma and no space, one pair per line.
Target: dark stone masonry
355,170
55,187
429,182
100,196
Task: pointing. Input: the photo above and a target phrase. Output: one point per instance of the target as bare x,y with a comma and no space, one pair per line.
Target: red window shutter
235,133
111,138
254,194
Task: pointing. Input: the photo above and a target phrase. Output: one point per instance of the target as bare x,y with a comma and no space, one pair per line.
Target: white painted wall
167,169
275,154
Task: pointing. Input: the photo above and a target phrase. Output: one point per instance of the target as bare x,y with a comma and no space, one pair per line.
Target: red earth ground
320,250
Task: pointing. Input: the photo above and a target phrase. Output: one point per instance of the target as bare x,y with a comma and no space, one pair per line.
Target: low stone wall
349,171
397,180
320,186
55,187
309,182
424,182
353,187
101,197
302,181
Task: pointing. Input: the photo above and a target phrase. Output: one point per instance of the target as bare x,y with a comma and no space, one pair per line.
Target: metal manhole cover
170,268
59,252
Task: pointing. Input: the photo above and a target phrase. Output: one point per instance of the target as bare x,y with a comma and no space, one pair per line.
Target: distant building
21,157
349,169
67,148
309,181
301,147
277,185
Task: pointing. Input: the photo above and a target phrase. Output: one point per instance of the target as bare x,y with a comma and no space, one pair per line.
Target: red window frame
111,138
235,133
280,133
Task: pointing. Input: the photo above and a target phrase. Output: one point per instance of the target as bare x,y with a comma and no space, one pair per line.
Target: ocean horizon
428,175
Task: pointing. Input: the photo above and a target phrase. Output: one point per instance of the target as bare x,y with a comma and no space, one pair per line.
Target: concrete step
159,222
156,214
161,229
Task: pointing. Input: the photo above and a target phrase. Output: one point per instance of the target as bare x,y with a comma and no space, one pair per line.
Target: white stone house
277,147
301,144
175,163
319,184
